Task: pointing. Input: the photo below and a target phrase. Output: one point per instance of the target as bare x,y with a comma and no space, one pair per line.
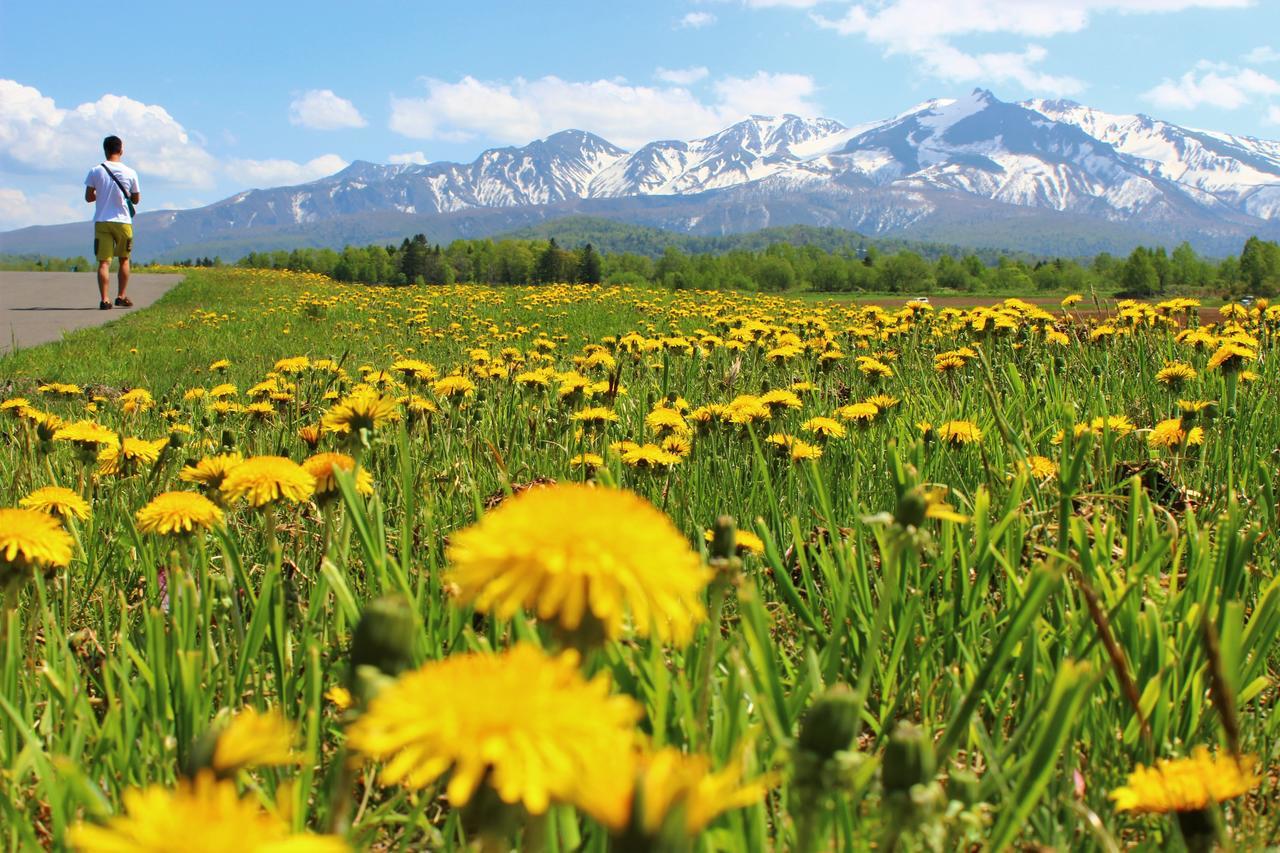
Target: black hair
112,145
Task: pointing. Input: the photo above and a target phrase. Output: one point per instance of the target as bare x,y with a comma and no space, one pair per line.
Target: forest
785,267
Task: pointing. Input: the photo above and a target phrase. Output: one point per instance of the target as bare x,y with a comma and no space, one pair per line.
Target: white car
923,300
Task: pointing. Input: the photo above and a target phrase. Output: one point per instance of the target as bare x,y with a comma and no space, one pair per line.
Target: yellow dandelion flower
324,467
203,816
367,411
526,724
574,552
748,408
744,541
263,480
295,364
780,398
57,500
136,401
824,427
649,456
209,472
253,739
590,461
30,539
672,783
87,435
340,697
595,416
310,434
873,368
1187,784
680,445
1175,374
960,432
1172,434
454,386
175,513
863,413
1231,357
793,447
130,456
1040,467
17,407
666,422
883,402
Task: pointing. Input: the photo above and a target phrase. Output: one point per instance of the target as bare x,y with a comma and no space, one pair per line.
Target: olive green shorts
112,240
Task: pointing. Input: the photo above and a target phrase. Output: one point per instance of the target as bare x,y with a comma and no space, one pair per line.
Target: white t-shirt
110,206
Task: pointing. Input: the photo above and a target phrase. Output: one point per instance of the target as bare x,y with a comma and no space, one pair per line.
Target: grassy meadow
583,568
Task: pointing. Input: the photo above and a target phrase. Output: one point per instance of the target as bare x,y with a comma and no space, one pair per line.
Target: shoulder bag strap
128,201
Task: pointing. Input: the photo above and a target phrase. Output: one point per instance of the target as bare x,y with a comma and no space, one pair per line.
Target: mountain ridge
940,170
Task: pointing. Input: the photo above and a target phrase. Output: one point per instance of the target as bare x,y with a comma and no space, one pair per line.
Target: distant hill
611,236
1046,177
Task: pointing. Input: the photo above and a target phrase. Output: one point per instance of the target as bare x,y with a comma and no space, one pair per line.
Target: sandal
104,306
124,302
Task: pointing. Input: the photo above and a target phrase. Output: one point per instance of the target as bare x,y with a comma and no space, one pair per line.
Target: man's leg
103,249
123,277
104,278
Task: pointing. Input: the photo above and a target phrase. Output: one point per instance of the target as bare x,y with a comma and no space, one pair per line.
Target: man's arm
90,195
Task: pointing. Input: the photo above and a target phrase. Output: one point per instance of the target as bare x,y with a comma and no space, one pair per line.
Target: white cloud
765,94
1214,85
1273,115
321,109
18,210
409,158
682,76
36,135
628,115
696,21
272,173
1261,56
927,30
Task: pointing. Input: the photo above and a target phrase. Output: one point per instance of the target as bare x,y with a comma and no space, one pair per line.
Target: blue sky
215,98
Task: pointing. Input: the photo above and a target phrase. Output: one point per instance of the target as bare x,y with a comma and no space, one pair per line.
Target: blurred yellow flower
526,724
1187,784
202,816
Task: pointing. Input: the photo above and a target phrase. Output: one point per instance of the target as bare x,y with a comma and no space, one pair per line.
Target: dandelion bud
912,507
830,723
909,759
383,641
199,755
724,538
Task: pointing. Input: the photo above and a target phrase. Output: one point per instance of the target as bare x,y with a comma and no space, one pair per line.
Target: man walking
113,187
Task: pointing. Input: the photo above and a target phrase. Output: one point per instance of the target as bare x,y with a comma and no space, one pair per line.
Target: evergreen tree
590,269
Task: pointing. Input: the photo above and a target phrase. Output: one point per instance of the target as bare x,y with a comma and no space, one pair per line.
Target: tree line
783,267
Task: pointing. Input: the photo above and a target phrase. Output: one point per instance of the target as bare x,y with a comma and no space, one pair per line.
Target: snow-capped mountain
1240,171
1038,175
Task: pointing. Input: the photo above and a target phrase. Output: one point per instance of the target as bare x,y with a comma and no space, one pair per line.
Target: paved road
36,307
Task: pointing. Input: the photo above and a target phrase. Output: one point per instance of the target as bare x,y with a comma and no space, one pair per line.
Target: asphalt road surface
36,307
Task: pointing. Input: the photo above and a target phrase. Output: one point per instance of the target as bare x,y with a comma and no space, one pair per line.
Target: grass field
989,563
